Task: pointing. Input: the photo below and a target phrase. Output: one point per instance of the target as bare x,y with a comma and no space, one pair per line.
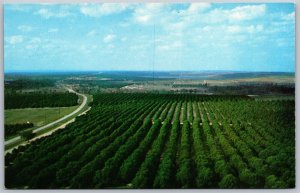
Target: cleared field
46,129
37,116
164,141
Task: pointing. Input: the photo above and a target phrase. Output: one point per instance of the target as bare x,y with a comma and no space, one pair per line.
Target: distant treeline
254,89
189,85
13,129
28,83
35,100
99,83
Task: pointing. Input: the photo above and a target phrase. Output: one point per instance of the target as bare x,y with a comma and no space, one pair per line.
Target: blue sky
190,37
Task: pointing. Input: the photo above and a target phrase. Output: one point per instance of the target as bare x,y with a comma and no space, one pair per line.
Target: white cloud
237,14
289,17
98,10
247,12
109,38
176,26
244,29
46,13
143,18
149,12
257,28
234,29
18,7
171,46
25,28
198,7
15,39
53,30
202,14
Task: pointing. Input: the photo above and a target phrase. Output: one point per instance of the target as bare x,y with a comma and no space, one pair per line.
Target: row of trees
163,141
35,100
13,129
103,177
145,176
26,83
167,167
260,142
74,134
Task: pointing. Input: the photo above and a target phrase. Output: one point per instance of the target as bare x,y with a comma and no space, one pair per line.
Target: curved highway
15,139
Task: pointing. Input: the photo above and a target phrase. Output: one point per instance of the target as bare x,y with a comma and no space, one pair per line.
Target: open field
47,129
164,141
210,82
37,116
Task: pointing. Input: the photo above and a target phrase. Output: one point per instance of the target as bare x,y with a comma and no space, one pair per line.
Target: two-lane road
15,139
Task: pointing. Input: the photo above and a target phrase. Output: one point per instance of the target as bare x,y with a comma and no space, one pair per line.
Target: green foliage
138,141
229,181
13,129
184,173
23,83
166,167
35,100
273,182
27,135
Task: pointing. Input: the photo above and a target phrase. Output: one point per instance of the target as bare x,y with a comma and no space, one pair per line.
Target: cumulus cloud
234,29
109,38
198,7
18,7
146,13
244,29
171,46
47,13
143,18
177,21
200,18
14,39
25,28
237,14
98,10
247,12
289,17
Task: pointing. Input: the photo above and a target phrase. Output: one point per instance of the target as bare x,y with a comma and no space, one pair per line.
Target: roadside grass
23,141
89,99
37,116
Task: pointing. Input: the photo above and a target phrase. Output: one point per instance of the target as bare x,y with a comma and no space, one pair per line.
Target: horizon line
86,71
